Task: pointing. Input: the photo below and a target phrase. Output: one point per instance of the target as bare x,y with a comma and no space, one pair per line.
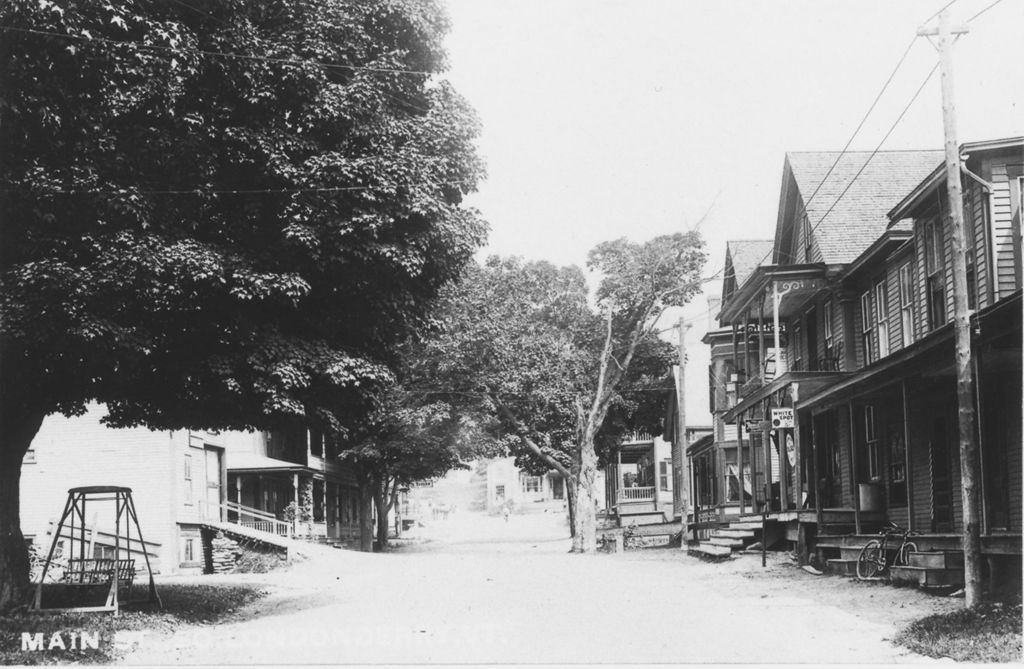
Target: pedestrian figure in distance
504,512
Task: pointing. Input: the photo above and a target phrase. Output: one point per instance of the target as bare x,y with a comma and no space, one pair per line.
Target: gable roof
742,257
745,256
860,217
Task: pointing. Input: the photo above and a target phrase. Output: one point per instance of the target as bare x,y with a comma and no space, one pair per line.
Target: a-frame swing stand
84,573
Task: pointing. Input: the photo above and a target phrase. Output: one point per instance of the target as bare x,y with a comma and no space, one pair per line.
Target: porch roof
994,320
801,281
631,452
254,462
809,381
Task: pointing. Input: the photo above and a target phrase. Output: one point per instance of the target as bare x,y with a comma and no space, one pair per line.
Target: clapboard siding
1002,230
81,451
843,425
892,291
975,222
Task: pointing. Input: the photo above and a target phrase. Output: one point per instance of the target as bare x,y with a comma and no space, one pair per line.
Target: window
188,549
188,479
531,484
499,493
871,440
906,304
934,264
664,467
867,336
882,318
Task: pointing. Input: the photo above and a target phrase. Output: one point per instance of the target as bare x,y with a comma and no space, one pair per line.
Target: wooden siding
81,451
975,200
1002,228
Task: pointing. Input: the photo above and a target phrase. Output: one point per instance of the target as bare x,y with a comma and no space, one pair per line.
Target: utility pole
679,462
970,460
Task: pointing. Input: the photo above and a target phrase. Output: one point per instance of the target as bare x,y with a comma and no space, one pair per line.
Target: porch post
746,351
906,453
739,458
854,487
814,469
798,450
655,472
618,478
238,492
766,448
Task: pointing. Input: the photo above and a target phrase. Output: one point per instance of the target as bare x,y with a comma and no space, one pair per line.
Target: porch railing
246,516
636,494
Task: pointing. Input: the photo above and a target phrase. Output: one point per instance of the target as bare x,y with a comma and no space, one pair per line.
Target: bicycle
874,557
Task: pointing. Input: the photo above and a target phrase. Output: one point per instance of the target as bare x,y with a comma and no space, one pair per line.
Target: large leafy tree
522,343
218,214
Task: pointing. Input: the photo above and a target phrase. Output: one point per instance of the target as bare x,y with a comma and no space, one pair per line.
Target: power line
295,62
984,10
941,9
225,191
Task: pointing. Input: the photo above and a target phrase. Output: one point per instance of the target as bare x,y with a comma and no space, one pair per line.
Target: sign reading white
782,417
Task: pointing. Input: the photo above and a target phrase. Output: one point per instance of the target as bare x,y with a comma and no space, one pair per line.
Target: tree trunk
380,502
570,496
17,429
365,513
586,517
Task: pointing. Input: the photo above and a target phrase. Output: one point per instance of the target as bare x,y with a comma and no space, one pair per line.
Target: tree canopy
520,341
220,214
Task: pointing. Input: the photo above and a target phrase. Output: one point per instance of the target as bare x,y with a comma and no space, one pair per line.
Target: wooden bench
99,571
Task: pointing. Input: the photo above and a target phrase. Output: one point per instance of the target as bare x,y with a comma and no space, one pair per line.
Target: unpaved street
481,590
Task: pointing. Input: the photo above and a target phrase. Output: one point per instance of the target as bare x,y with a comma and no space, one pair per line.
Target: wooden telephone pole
679,461
970,460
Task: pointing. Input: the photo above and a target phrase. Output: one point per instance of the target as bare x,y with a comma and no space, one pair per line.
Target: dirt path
485,591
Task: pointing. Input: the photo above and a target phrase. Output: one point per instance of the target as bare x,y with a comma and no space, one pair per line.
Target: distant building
506,484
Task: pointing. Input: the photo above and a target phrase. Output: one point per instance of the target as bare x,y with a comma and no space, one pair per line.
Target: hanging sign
782,417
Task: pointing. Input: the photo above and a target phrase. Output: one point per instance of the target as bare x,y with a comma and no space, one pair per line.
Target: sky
636,118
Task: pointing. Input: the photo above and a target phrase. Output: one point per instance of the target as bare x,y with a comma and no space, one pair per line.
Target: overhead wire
294,62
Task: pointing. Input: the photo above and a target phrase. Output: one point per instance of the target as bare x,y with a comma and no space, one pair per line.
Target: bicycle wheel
903,557
870,561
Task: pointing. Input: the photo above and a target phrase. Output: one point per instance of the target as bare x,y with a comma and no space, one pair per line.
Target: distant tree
521,343
412,438
218,215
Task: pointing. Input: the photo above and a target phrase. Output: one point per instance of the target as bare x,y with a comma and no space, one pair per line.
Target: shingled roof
742,257
746,255
859,218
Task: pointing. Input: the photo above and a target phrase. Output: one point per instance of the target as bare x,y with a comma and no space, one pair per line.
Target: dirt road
482,590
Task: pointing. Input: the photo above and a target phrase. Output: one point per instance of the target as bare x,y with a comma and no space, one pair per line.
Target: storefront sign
782,417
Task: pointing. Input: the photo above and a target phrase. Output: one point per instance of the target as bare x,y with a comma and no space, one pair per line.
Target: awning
256,463
810,382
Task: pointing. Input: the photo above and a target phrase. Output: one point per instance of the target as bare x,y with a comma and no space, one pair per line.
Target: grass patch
182,605
990,634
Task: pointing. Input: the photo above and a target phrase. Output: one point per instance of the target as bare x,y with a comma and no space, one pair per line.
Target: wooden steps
727,539
926,577
710,550
841,567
